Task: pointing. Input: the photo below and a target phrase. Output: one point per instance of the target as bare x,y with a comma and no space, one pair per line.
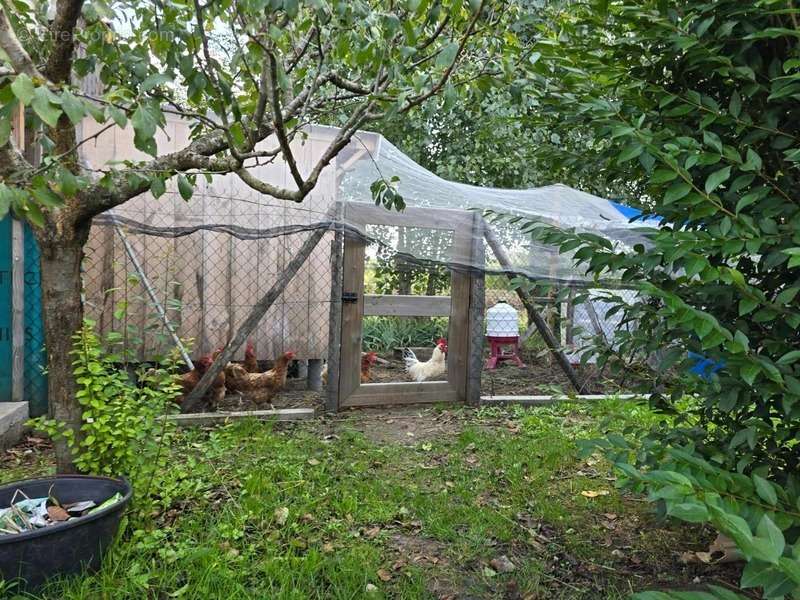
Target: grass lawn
409,503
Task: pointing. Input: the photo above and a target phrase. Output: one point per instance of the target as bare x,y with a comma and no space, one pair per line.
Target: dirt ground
540,376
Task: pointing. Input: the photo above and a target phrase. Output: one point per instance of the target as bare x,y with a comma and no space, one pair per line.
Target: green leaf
768,531
73,107
691,512
44,109
765,490
749,371
747,305
735,105
663,176
23,88
676,191
5,131
118,115
184,187
447,55
717,178
153,81
789,357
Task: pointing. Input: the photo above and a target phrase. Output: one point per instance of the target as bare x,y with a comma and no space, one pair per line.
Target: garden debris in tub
29,514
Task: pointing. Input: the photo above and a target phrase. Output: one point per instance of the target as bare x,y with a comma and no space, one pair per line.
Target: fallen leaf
370,588
610,516
313,462
372,532
327,547
489,572
57,513
307,518
594,494
384,575
281,515
502,564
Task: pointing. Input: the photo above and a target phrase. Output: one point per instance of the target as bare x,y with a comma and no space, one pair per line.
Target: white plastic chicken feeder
502,332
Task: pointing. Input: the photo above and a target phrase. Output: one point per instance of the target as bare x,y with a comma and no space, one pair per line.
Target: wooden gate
464,307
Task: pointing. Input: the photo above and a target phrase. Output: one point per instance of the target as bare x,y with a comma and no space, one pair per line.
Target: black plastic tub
66,548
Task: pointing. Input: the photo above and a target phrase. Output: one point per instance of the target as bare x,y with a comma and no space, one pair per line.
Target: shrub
120,431
695,107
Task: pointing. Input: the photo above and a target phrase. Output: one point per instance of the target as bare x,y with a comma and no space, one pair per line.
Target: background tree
247,75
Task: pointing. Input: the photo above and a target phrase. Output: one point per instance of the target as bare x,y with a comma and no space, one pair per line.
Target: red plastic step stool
500,352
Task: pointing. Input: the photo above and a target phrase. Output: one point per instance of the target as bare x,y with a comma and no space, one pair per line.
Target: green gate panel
35,359
35,356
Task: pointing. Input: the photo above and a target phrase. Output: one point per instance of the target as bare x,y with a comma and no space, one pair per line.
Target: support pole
18,288
251,322
335,315
153,297
527,302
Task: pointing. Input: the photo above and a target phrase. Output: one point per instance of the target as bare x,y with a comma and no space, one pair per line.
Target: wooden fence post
335,314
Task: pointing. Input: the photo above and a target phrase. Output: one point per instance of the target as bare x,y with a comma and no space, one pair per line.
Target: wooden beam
477,308
382,394
458,334
406,306
17,311
547,400
412,216
352,317
216,418
541,324
335,314
258,311
18,286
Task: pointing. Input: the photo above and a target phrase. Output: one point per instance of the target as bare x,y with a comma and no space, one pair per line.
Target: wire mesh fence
152,281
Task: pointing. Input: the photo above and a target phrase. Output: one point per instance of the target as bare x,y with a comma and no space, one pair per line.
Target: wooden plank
18,287
17,311
216,418
335,315
406,306
382,394
428,218
352,317
546,400
459,326
477,306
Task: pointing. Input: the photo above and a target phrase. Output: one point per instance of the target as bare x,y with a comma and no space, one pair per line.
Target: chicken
189,380
423,371
259,387
250,361
367,360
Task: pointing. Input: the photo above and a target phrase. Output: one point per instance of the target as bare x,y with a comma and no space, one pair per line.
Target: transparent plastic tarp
370,157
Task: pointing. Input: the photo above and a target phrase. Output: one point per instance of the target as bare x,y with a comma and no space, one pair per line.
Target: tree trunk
62,309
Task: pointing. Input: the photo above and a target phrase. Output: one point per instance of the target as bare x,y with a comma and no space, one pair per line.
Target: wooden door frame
464,309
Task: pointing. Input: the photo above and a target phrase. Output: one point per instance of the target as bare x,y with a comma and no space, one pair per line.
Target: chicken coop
230,265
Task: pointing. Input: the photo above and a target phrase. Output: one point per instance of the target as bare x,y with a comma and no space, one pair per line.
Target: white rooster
423,371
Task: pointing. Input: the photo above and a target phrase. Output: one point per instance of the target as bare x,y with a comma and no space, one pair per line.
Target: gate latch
349,297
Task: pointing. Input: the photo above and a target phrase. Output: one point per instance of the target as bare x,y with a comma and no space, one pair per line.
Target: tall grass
382,334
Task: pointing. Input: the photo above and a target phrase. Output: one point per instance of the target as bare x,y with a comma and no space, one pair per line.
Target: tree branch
17,55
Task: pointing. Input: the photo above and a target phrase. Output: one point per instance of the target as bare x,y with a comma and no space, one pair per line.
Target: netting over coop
205,262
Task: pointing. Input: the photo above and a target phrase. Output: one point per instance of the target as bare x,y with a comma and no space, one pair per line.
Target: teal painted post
5,309
35,380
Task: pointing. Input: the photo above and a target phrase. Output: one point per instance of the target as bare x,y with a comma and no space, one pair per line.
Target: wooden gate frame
349,305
